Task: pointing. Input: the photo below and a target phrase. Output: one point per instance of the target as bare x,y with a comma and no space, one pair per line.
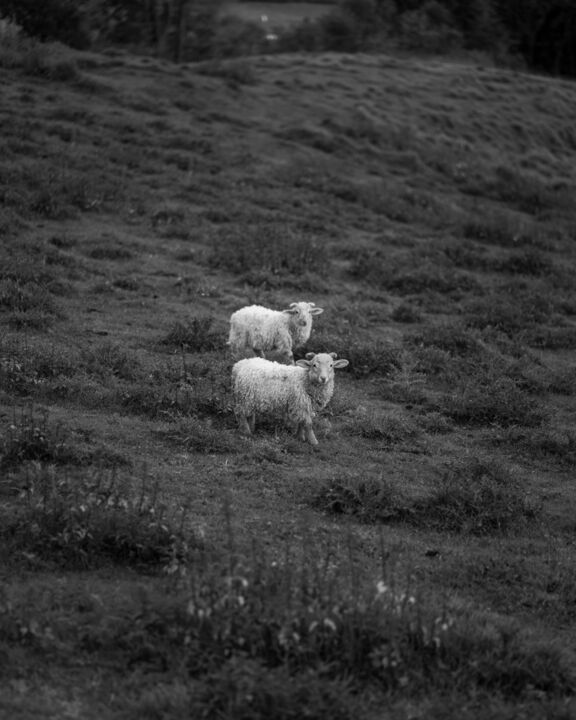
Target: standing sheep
257,329
296,392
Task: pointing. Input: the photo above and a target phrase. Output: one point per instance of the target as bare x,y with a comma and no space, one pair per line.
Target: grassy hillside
154,563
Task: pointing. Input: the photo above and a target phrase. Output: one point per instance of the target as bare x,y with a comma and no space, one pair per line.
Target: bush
61,20
266,250
369,500
89,520
194,335
498,401
477,498
29,438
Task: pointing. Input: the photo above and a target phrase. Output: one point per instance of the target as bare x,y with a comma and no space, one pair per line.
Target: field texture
419,563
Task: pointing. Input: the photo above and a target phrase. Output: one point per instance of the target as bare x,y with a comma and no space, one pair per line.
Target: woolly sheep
296,392
257,329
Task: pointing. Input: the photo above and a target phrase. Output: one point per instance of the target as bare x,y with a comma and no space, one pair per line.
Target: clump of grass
552,338
475,498
88,520
24,297
528,262
267,251
26,368
194,335
491,401
548,444
37,59
30,438
508,312
197,388
110,251
366,357
369,500
235,72
373,267
387,427
453,338
109,359
406,313
201,435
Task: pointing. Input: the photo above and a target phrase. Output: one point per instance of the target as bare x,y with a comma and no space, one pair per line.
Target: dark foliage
49,20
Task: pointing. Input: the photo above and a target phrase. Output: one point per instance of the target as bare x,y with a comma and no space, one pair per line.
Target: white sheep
256,329
297,392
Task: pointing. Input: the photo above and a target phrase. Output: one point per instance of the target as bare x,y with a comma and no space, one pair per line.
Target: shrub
89,520
49,20
372,266
366,357
109,359
406,313
369,500
251,251
495,401
23,297
388,427
30,438
194,335
528,262
477,498
235,72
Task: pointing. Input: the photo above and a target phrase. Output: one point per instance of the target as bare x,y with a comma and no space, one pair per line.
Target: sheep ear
341,363
309,355
291,310
316,311
303,363
333,355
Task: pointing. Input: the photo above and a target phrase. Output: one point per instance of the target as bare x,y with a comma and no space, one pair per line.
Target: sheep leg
252,422
244,424
308,433
301,432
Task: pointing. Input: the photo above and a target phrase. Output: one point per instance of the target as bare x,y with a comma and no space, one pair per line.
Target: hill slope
428,207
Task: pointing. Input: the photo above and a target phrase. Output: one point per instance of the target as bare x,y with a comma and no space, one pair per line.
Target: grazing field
154,563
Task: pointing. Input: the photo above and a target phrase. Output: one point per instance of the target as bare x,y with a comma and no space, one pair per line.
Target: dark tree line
540,32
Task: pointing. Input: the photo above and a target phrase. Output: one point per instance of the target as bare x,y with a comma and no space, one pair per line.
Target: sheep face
301,314
321,367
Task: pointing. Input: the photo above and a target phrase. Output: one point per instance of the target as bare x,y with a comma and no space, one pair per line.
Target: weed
491,401
508,312
548,444
194,335
556,338
369,500
366,357
108,358
388,427
475,497
453,338
22,297
30,438
235,72
89,520
528,262
200,435
373,267
254,252
204,397
110,251
406,313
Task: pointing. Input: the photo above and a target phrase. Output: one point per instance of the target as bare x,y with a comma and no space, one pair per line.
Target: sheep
297,391
258,330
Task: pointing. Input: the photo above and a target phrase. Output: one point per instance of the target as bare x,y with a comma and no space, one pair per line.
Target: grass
416,562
